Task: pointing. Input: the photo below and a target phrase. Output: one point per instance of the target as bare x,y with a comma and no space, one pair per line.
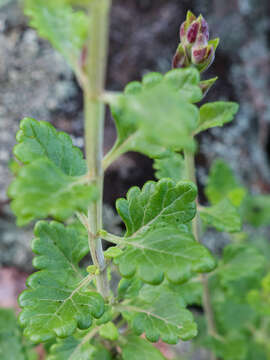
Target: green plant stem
196,228
94,108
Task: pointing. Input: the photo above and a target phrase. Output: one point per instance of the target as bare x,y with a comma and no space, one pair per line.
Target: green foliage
223,184
57,22
50,182
156,241
59,298
257,210
171,165
41,190
150,312
223,216
12,344
240,260
158,105
39,139
157,204
72,305
137,348
216,114
78,347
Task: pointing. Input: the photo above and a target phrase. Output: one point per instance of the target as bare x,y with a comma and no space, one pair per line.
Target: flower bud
180,59
183,29
195,47
203,56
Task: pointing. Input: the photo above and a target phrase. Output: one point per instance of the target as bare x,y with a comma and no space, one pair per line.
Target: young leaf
222,216
58,299
57,22
171,166
216,114
257,210
157,204
39,139
137,348
151,313
78,347
12,344
223,184
41,190
157,106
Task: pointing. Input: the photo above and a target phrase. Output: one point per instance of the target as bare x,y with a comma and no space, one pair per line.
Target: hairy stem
94,108
196,225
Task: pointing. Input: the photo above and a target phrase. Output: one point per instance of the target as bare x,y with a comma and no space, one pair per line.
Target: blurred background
35,81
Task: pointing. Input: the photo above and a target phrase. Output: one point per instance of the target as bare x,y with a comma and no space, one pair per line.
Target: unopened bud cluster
195,48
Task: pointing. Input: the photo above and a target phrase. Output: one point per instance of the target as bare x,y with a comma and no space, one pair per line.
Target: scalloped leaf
171,165
159,203
59,298
158,105
216,114
168,251
156,241
12,344
50,183
222,216
57,22
39,139
41,190
160,312
137,348
78,347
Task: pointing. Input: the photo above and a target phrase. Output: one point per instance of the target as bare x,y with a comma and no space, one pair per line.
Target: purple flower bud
204,28
192,32
203,56
189,20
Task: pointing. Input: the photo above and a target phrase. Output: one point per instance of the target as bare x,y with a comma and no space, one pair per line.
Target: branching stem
94,108
196,227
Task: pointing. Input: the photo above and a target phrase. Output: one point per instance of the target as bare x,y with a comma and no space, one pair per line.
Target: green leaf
39,139
160,312
223,184
12,344
109,331
171,166
78,347
129,288
216,114
168,251
260,299
240,261
158,105
137,348
156,241
257,210
222,216
158,204
41,190
112,252
59,298
57,22
50,183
